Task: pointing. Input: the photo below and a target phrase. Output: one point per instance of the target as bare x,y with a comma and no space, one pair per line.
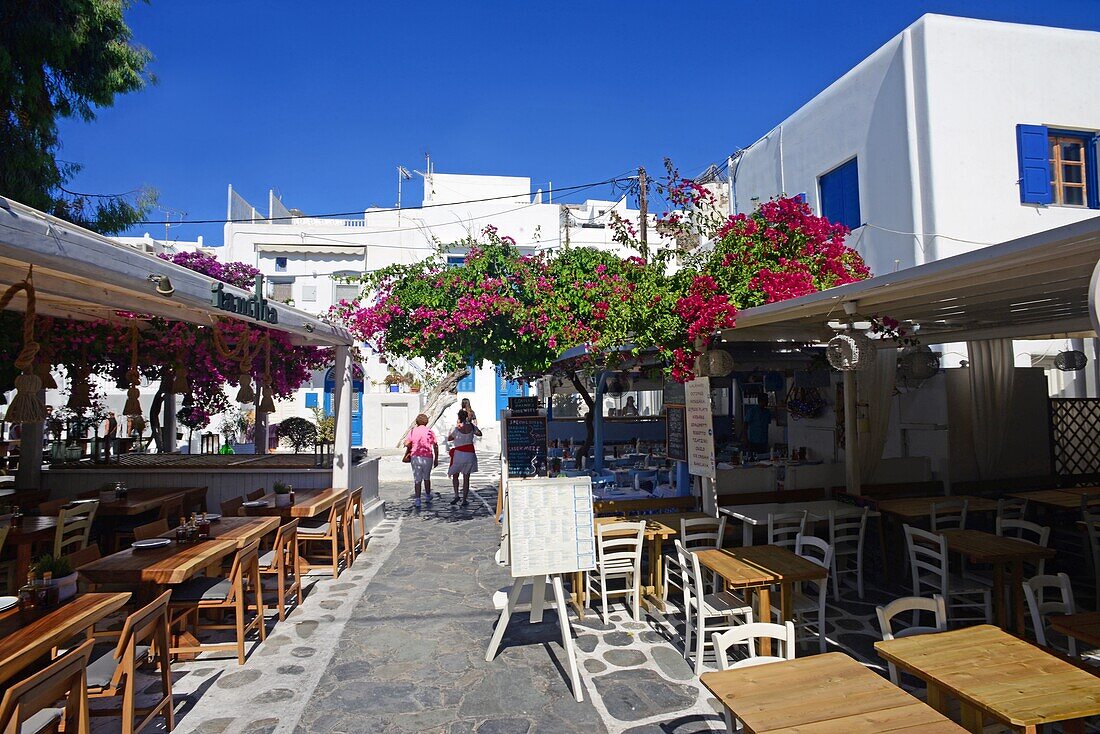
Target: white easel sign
550,526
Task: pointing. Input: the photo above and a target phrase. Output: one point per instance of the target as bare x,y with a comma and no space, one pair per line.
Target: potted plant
282,494
61,574
413,383
394,380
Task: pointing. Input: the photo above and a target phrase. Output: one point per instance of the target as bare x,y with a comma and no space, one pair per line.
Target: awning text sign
700,428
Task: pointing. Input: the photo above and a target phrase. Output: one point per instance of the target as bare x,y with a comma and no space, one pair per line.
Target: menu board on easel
700,428
525,445
549,526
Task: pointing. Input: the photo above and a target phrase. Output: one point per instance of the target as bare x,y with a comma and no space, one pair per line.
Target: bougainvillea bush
524,311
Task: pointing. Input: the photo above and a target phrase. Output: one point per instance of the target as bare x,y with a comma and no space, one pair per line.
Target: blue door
356,402
507,389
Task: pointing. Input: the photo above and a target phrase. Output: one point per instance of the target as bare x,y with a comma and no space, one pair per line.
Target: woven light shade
46,376
133,405
267,404
246,394
850,352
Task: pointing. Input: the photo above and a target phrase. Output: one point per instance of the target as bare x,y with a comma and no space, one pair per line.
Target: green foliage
326,425
63,59
298,432
59,566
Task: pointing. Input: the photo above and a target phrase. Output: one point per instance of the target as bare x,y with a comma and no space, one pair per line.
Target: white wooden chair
1040,606
1029,532
699,532
1011,508
618,556
916,605
949,514
928,564
846,535
705,612
747,636
74,525
645,477
785,527
808,602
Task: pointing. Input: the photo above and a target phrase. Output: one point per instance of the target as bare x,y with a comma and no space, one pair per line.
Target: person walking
463,456
472,416
110,432
424,456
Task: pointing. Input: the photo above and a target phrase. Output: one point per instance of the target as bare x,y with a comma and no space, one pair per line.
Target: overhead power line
360,212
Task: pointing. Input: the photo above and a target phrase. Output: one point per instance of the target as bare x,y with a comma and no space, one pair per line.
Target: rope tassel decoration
26,406
267,403
133,403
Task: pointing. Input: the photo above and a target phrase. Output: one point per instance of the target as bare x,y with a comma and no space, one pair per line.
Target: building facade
956,134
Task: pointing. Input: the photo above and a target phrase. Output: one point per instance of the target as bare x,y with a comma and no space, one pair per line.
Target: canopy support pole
851,434
597,423
341,402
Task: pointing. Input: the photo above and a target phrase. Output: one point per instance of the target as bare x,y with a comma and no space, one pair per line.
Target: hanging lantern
719,362
246,394
1071,361
133,404
267,404
850,352
916,364
26,407
80,392
45,375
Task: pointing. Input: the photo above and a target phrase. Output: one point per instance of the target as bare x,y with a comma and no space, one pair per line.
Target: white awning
1033,287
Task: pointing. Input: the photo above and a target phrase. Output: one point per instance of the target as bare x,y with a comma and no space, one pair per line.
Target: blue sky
321,100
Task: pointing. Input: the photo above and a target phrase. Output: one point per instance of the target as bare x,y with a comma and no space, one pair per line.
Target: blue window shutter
840,195
850,179
311,400
468,383
1033,151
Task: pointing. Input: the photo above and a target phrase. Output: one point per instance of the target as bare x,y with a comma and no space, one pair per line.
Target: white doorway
395,421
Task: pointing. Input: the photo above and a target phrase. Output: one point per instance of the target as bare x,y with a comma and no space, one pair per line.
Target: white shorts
464,462
422,468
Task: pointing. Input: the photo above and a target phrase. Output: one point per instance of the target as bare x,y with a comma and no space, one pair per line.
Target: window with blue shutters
1033,152
468,383
311,400
839,189
1057,167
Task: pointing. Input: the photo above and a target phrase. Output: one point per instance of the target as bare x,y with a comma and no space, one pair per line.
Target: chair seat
202,589
615,566
722,604
267,560
956,584
41,721
101,670
319,529
800,602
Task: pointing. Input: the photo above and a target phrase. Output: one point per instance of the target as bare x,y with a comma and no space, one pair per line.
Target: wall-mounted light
309,328
164,285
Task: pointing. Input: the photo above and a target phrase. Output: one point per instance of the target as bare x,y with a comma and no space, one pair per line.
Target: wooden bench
630,507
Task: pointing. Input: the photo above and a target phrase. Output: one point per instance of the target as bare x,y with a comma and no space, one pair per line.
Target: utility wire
361,212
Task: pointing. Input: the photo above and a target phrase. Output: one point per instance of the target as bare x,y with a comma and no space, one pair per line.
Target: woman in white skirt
463,456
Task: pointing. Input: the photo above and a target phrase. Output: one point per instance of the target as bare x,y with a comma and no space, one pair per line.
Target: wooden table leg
577,596
999,595
656,571
1076,726
971,717
1017,595
22,564
937,698
786,601
763,614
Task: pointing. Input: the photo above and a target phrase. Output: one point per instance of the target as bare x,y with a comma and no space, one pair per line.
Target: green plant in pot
283,494
61,574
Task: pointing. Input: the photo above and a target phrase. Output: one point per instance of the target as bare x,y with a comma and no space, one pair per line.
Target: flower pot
414,389
66,586
395,388
283,500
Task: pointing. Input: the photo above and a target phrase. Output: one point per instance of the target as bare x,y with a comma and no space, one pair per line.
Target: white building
956,134
301,254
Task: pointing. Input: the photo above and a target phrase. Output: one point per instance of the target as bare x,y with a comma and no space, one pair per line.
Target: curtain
992,375
875,390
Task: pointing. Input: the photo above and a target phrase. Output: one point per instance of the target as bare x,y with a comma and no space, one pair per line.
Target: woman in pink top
425,456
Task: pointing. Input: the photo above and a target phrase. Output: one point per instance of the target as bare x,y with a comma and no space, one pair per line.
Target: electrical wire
361,212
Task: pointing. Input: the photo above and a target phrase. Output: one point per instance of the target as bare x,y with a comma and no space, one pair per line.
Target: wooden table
822,694
998,675
1083,626
32,530
981,547
1057,498
307,503
760,566
22,641
751,516
140,500
175,563
914,508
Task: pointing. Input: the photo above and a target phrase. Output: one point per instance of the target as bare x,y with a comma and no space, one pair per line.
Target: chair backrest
64,678
146,626
151,530
846,532
1030,532
814,549
927,553
1011,508
353,507
256,494
948,514
286,546
1039,605
702,532
245,559
74,525
693,574
171,510
785,527
935,605
620,542
232,506
746,635
647,477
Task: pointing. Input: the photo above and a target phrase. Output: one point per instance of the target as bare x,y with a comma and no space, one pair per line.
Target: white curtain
875,390
992,375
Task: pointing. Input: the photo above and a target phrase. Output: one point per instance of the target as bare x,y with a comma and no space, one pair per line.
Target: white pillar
851,433
341,404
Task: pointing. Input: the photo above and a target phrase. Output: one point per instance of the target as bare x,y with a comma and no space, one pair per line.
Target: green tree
63,59
298,432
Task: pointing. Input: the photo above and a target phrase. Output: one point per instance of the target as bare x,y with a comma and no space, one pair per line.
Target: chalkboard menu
675,432
525,445
527,405
674,393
